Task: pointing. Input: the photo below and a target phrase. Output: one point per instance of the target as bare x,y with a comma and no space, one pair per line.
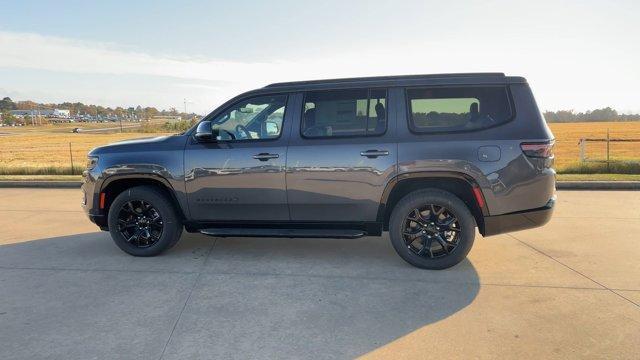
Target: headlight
92,162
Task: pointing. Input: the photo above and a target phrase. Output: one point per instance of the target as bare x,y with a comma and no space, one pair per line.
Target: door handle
265,156
374,153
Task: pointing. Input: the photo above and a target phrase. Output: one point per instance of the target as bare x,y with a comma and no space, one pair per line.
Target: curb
41,184
560,185
598,185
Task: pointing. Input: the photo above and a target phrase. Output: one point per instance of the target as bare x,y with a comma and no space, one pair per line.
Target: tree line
139,112
78,109
604,114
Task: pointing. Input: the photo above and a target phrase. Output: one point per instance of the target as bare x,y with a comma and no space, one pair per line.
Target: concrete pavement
568,290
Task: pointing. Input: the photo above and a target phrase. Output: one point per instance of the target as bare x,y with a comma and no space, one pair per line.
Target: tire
158,240
400,225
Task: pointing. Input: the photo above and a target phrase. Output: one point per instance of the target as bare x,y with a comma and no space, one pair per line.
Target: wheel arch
115,185
459,184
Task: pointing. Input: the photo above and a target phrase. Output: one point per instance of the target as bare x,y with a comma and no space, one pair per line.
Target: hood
142,144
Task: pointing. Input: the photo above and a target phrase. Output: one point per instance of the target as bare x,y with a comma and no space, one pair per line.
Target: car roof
400,80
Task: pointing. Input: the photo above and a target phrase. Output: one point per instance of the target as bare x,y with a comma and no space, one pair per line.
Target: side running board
287,233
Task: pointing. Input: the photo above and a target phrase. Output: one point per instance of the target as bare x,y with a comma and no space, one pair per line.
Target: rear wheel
143,222
432,229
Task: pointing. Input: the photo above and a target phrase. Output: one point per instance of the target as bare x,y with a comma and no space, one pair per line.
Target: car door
341,155
241,175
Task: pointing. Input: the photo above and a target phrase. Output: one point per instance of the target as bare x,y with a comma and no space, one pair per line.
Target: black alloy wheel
431,231
140,223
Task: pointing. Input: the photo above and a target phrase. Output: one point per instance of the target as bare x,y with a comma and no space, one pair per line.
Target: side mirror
204,132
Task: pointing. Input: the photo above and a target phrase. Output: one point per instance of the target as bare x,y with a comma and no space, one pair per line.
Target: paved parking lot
568,290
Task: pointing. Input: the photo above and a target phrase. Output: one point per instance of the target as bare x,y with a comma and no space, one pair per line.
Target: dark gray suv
428,158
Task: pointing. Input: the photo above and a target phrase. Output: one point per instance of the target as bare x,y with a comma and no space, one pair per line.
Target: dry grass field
23,150
568,135
41,149
27,149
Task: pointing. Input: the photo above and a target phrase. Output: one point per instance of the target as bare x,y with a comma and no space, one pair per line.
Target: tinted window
458,108
339,113
257,118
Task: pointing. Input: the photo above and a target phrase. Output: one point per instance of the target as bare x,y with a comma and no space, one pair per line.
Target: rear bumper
520,220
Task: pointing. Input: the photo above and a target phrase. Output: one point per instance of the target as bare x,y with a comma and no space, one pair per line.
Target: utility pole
185,105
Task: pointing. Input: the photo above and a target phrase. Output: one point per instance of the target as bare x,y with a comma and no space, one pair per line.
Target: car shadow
330,297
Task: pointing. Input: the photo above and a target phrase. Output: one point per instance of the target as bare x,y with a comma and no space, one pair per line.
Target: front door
241,176
341,155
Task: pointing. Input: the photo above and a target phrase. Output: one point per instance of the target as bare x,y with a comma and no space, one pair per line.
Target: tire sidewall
172,227
440,198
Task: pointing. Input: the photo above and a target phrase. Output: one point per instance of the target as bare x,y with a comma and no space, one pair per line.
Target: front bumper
520,220
91,199
99,220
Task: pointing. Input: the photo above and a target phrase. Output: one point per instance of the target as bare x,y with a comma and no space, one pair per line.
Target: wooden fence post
608,167
71,156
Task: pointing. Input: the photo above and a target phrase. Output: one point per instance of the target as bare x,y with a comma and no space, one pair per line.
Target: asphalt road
568,290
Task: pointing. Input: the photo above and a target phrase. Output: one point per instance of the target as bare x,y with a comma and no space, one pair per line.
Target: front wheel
143,222
432,229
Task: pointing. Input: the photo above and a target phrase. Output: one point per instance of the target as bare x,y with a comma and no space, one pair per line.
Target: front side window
339,113
253,119
458,108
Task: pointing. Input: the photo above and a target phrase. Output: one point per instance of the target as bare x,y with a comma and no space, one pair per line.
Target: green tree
602,114
7,104
9,119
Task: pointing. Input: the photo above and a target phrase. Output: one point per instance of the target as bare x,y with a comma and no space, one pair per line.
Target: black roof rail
383,78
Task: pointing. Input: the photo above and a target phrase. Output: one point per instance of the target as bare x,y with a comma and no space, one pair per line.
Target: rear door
341,155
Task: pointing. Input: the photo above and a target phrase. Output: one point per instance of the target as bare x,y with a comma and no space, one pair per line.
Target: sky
575,54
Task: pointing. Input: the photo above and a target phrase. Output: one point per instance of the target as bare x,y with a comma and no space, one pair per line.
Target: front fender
171,179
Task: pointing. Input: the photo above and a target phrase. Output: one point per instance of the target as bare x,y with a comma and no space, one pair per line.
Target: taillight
538,149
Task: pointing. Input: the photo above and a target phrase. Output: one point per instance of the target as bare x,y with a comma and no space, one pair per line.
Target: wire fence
608,149
61,149
65,153
52,154
45,160
595,145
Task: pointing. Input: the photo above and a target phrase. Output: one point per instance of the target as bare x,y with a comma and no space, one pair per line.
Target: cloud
559,80
33,51
207,81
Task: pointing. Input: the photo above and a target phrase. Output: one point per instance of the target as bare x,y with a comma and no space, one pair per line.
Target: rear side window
340,113
450,109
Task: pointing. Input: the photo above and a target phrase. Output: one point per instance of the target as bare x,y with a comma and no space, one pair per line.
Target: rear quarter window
457,109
